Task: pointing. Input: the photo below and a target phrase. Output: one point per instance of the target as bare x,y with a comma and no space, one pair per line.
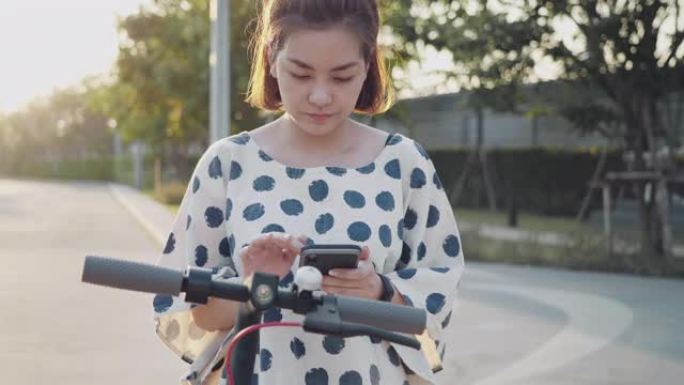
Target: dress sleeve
198,237
431,263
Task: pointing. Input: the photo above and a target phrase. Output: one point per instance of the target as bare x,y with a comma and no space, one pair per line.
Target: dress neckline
391,139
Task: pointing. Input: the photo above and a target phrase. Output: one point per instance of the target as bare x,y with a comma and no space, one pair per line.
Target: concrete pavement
53,328
512,325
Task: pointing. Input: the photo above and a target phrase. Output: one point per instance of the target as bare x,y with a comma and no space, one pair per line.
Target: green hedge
543,181
89,169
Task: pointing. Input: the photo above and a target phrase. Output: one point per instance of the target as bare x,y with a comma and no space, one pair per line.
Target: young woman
314,175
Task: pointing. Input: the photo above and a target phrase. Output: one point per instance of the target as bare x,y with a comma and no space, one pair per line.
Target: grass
587,250
526,221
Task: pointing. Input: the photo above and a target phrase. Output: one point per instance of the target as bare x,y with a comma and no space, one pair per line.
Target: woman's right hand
271,253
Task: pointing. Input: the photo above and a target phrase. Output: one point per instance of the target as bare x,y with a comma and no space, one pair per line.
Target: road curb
154,217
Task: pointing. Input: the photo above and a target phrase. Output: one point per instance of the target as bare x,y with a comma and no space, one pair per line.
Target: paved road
513,325
53,328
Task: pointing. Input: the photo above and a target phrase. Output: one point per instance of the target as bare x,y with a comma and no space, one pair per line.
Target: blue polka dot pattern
417,178
273,228
215,170
375,340
436,181
264,156
195,184
446,321
170,244
224,247
405,258
385,234
406,273
421,251
351,377
316,376
266,357
231,244
213,216
274,314
400,228
393,169
294,173
374,375
354,199
359,231
318,190
188,222
324,223
162,302
292,207
452,246
297,348
394,139
339,171
433,216
235,170
229,208
434,303
333,344
263,183
253,211
410,219
421,150
201,255
241,139
367,169
385,201
393,356
440,269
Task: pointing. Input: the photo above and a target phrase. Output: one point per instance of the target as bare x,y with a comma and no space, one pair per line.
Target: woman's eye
300,76
343,80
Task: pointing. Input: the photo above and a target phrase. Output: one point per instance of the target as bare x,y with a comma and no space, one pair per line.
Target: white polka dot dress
395,205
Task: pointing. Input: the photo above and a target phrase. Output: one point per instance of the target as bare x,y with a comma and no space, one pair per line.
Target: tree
627,54
489,51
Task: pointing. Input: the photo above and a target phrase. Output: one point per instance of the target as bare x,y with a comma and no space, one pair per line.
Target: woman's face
320,74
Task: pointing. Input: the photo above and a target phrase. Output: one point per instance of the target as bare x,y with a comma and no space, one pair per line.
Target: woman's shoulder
409,149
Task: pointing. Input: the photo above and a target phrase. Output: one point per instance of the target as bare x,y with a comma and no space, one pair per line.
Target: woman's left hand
360,282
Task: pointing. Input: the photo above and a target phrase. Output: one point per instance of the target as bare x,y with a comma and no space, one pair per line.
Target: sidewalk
152,215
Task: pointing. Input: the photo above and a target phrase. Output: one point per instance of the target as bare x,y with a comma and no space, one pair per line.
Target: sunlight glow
53,44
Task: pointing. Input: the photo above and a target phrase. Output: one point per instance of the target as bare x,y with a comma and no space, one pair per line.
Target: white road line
593,322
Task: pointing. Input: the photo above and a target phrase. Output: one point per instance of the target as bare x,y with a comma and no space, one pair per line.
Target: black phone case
326,257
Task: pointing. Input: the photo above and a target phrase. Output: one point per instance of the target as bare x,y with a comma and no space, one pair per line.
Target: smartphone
326,257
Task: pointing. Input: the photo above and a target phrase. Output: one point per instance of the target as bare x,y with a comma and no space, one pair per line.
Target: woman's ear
271,63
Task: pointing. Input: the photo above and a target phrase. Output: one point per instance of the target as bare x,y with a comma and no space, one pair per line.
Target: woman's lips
319,118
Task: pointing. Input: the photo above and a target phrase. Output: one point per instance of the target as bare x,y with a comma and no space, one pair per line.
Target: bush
543,181
170,193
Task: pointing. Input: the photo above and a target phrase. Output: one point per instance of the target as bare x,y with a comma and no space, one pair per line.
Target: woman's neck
337,141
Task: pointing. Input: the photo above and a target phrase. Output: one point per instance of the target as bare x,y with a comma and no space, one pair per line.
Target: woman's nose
320,96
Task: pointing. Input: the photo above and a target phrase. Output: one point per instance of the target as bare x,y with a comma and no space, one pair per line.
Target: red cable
243,333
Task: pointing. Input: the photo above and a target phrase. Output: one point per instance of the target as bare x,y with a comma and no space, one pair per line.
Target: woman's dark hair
279,18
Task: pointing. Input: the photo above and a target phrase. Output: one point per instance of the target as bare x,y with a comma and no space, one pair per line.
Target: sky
48,44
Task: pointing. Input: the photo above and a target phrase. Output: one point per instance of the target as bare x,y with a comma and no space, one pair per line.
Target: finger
362,271
345,291
337,282
262,240
365,254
